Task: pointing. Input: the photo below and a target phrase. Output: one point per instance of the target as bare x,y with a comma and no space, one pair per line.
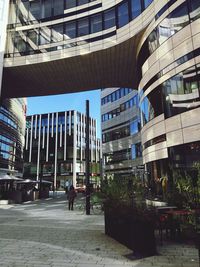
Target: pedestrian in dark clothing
71,196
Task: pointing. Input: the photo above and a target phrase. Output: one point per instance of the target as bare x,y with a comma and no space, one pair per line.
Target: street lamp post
40,184
87,159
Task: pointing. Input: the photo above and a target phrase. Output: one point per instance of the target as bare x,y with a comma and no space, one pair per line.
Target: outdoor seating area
177,224
17,190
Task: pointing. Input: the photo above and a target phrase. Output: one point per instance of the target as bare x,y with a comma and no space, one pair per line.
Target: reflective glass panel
123,15
57,33
147,3
70,3
135,8
96,23
109,19
35,10
58,7
70,30
83,27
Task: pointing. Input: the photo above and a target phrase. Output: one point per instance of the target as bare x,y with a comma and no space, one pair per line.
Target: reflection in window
109,19
136,151
70,30
194,9
34,10
83,27
46,8
33,37
20,44
179,18
82,2
70,3
147,3
134,127
164,31
45,36
135,8
57,33
96,23
58,7
123,16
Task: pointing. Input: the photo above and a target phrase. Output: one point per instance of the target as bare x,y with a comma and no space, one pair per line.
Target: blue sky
76,101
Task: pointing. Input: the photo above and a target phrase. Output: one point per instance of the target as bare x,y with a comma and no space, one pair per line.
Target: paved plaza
44,233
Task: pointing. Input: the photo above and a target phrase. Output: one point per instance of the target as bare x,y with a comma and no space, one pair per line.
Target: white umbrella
7,177
27,181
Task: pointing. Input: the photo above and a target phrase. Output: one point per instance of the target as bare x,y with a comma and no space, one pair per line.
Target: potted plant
126,217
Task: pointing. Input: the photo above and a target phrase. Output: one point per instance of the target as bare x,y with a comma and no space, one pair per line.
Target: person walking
71,196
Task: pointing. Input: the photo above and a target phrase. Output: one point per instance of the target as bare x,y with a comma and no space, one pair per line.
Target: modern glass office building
55,148
149,45
12,131
121,140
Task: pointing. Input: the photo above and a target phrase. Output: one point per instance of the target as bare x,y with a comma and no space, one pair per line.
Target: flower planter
132,230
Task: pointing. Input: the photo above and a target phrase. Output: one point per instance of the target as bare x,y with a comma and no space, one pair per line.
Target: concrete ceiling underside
112,67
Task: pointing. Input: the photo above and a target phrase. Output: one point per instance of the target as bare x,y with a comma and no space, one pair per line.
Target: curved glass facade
179,18
176,95
12,132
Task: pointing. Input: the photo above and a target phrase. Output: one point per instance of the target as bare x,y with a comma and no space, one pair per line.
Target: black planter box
134,231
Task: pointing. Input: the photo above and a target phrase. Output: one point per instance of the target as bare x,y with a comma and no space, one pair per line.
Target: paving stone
45,233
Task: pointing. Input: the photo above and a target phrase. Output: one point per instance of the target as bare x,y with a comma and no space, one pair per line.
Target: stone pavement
44,233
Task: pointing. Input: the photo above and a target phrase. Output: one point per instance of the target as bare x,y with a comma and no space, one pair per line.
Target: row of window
6,139
186,83
115,95
116,134
122,132
116,112
7,120
176,63
117,156
126,154
6,148
41,9
155,141
118,16
61,120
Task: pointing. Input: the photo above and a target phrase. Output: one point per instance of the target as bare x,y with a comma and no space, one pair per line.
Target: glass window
133,152
96,23
57,32
34,13
153,40
135,8
20,44
46,8
117,94
147,3
45,36
82,2
123,16
134,127
109,19
194,9
70,3
164,30
122,90
58,7
179,18
70,30
83,27
33,36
